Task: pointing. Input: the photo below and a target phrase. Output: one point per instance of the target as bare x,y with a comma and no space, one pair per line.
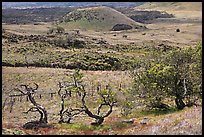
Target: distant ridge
182,10
67,4
186,6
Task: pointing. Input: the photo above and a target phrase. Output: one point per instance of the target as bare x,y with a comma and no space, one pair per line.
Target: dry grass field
187,121
190,10
27,29
159,32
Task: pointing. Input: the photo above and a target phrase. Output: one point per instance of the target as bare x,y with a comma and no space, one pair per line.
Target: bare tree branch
26,86
16,95
184,85
100,106
36,86
32,109
4,104
17,89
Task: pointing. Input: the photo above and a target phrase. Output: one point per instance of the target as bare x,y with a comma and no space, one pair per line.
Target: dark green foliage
157,112
127,107
23,16
69,43
171,76
144,16
57,30
119,27
60,29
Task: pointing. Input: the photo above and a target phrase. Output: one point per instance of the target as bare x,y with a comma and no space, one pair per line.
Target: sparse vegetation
144,16
19,16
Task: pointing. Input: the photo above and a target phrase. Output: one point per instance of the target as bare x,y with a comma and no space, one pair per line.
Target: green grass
153,112
78,126
83,127
100,127
99,19
177,121
74,126
85,24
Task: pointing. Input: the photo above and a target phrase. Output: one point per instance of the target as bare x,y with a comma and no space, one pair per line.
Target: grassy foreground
187,121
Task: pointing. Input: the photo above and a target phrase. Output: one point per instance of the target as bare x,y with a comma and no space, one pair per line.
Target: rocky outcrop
119,27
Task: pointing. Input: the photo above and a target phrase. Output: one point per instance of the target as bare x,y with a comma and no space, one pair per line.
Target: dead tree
29,92
10,103
4,104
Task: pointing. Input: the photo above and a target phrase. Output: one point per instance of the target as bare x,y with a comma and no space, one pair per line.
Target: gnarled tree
106,99
29,92
69,112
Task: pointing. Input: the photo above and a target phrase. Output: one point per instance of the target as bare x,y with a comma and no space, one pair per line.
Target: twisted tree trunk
40,109
29,93
179,103
98,119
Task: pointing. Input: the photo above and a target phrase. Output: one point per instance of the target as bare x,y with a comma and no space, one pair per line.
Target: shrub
170,76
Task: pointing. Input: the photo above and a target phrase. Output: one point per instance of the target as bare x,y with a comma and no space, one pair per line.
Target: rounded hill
100,18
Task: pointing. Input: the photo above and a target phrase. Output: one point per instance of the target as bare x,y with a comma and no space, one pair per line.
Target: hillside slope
179,9
188,6
96,18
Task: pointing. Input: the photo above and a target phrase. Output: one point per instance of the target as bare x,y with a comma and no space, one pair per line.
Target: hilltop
97,18
179,9
188,6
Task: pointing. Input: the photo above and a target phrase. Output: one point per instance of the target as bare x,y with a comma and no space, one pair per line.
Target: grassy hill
188,6
96,18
